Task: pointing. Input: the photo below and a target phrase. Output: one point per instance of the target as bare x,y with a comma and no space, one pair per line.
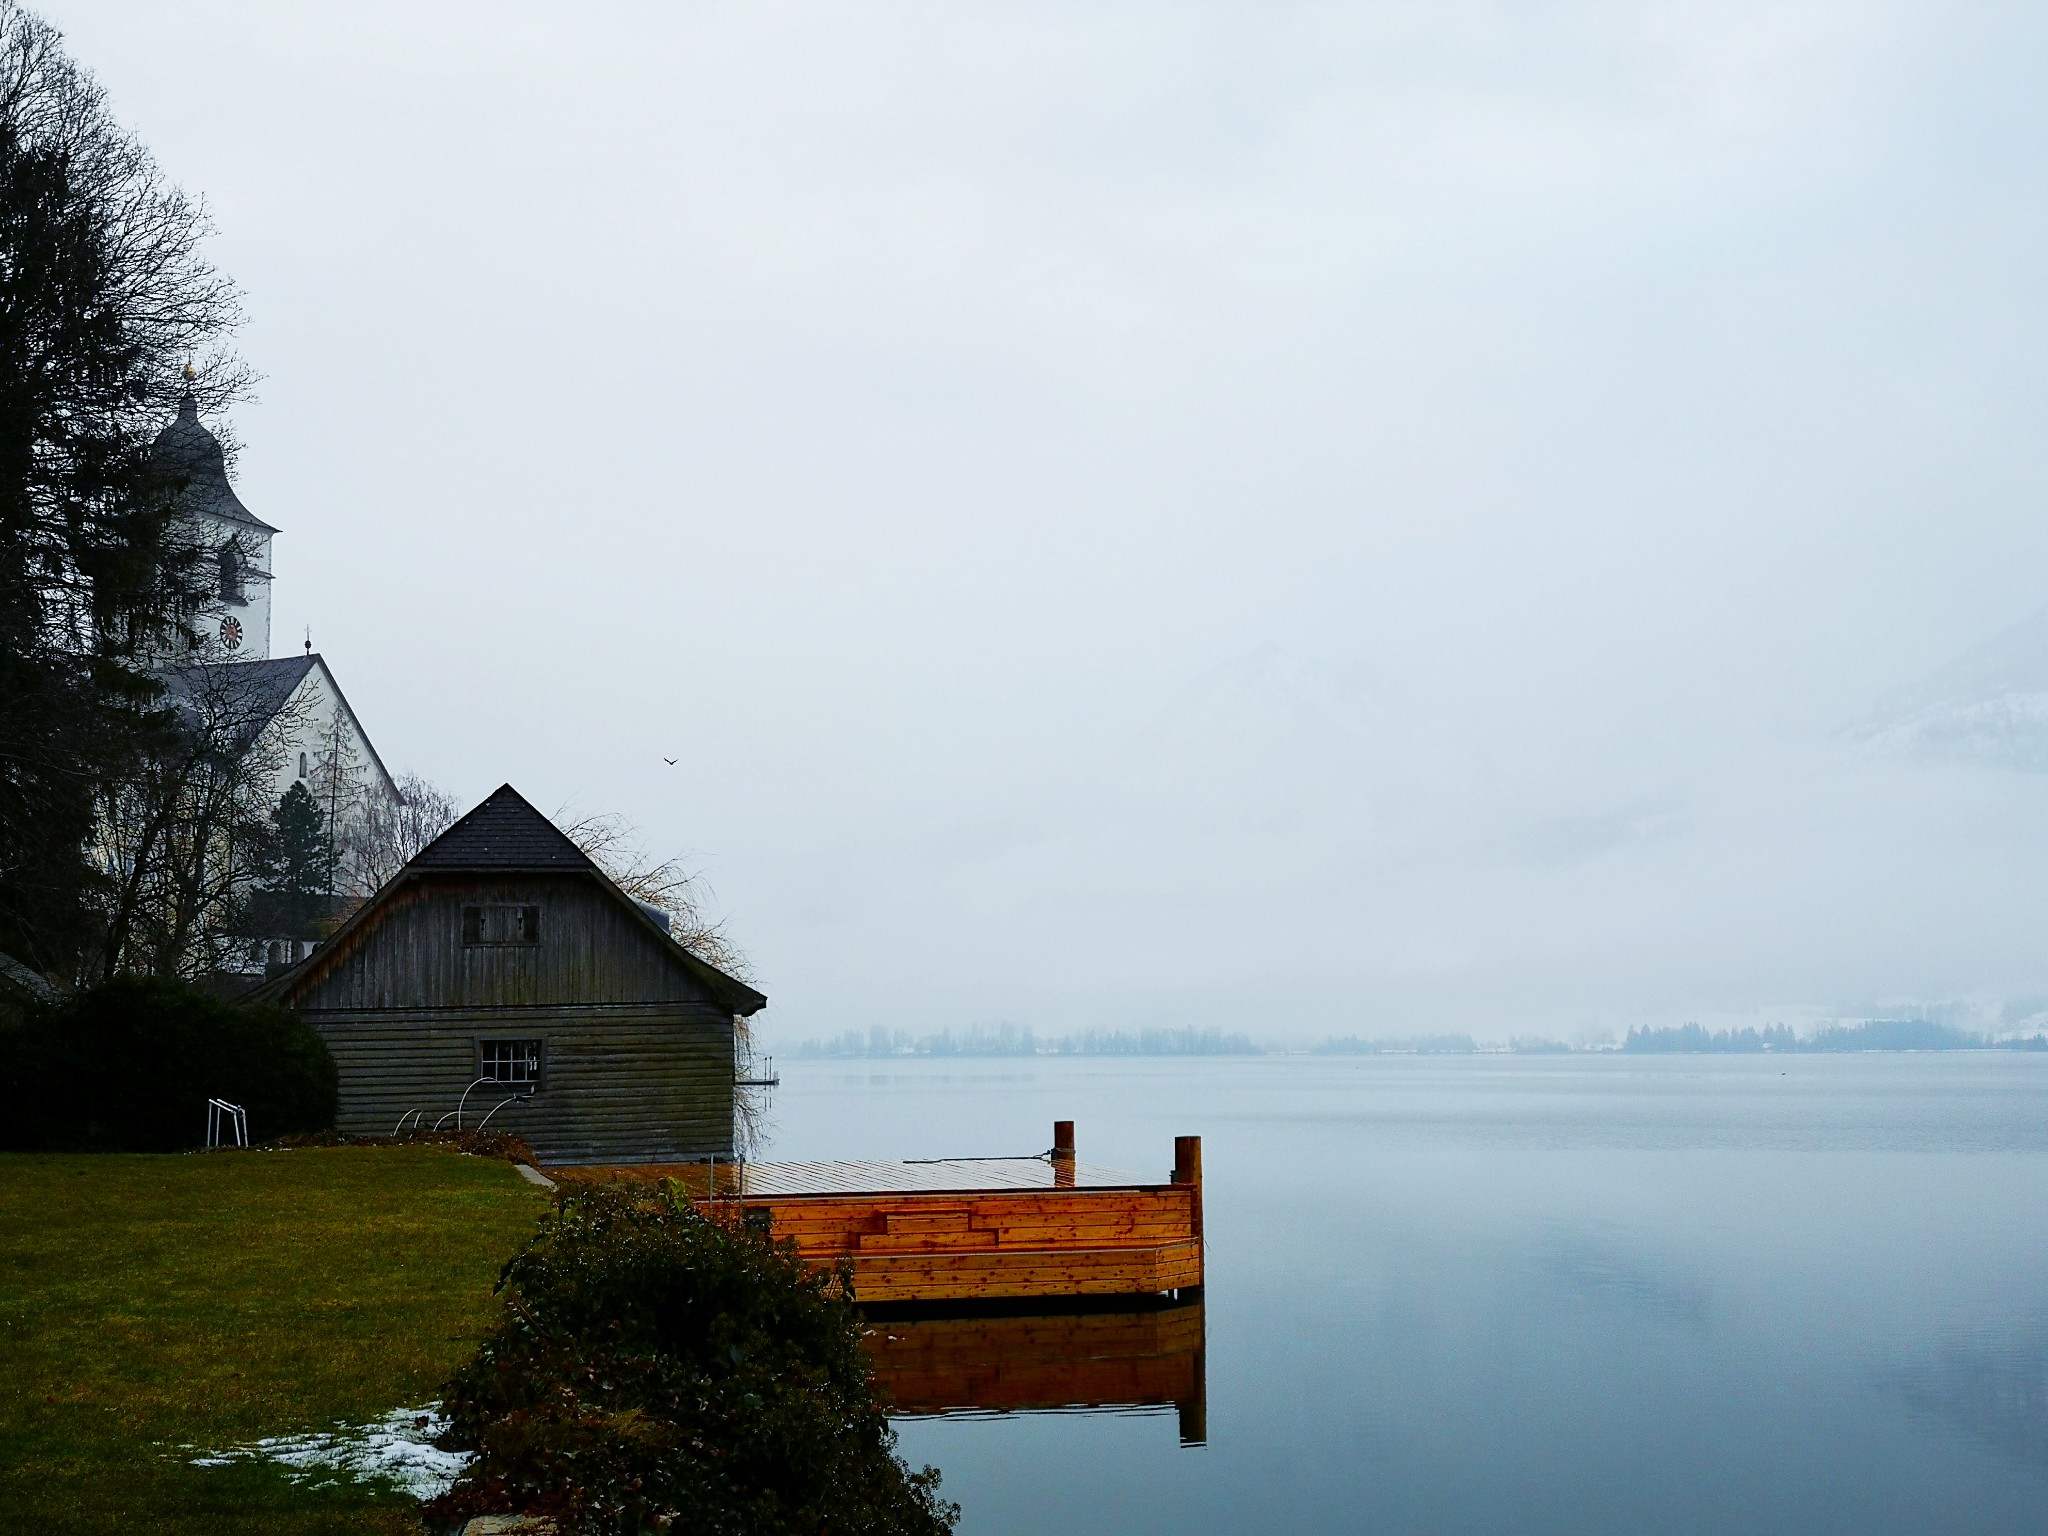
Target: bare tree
615,845
393,830
182,836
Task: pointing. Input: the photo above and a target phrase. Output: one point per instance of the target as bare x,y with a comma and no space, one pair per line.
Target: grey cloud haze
1303,519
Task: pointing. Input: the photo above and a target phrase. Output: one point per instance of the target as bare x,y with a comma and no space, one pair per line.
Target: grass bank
148,1302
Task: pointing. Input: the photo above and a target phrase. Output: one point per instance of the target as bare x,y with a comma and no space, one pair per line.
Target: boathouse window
495,926
510,1063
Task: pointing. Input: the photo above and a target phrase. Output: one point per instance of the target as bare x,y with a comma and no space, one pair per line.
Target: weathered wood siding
618,1084
637,1062
592,950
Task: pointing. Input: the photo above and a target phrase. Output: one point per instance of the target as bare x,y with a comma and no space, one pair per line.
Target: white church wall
327,749
250,613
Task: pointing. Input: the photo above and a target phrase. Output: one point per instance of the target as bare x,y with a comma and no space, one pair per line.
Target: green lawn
209,1299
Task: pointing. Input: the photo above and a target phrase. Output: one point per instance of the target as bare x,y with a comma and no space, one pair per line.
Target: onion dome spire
191,454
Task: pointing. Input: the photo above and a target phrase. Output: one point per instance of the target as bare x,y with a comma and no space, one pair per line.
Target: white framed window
509,1063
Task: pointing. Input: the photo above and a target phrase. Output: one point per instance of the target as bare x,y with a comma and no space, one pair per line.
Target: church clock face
231,632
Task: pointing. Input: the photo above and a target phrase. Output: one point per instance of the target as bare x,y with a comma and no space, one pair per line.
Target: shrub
657,1370
129,1066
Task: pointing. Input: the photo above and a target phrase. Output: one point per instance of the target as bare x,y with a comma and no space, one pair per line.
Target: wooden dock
970,1229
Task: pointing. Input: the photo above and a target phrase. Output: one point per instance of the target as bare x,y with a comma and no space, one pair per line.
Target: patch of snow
400,1446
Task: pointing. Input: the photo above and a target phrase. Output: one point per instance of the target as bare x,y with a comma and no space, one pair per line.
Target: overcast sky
1289,518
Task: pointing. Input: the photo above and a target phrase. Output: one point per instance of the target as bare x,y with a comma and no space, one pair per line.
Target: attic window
498,927
512,1063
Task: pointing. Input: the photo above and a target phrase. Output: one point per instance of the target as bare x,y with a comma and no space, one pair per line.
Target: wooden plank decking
972,1228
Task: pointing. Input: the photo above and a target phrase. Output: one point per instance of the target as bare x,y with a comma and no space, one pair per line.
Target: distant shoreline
1010,1042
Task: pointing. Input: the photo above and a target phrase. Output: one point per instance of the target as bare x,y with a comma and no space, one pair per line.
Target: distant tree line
1692,1040
1017,1040
1873,1035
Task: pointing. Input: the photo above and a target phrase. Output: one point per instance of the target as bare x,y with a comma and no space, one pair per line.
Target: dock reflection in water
1130,1359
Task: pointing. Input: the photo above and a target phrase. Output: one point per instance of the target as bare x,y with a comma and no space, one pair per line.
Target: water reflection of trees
1992,1385
1124,1359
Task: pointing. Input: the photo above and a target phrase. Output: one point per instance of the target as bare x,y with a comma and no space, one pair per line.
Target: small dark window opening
500,926
302,765
509,1063
231,575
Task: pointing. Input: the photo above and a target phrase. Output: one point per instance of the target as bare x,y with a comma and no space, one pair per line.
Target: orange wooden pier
971,1229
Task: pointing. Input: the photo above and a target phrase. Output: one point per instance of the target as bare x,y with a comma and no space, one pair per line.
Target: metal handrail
456,1112
514,1099
465,1099
221,1114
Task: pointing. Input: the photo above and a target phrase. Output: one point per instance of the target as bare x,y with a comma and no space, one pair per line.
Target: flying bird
670,761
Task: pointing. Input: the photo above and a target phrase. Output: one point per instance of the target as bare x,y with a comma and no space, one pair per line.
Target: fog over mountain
1296,519
1989,706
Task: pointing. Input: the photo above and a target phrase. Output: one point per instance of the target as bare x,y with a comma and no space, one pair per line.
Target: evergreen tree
103,304
298,869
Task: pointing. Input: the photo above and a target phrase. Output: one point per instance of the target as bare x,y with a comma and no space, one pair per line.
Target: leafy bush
657,1370
129,1066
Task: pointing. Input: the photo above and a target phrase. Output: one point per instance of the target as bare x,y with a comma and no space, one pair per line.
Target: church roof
254,692
189,452
259,689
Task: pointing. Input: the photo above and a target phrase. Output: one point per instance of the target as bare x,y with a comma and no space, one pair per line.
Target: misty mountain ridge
1988,707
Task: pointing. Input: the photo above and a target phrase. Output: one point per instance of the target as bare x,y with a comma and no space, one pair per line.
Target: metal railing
457,1110
514,1099
225,1119
418,1117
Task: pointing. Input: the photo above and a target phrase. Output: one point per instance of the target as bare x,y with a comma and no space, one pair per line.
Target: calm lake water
1571,1294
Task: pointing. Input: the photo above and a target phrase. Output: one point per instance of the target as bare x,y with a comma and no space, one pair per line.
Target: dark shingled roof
189,451
505,832
507,835
258,689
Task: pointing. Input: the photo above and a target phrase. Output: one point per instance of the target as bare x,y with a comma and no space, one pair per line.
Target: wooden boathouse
501,974
973,1229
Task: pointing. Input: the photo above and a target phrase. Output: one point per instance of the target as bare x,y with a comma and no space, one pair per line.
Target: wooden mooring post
1187,1170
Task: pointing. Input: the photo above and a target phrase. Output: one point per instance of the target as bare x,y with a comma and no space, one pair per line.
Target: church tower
234,624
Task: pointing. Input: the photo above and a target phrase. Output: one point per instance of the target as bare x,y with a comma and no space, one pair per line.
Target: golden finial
190,372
